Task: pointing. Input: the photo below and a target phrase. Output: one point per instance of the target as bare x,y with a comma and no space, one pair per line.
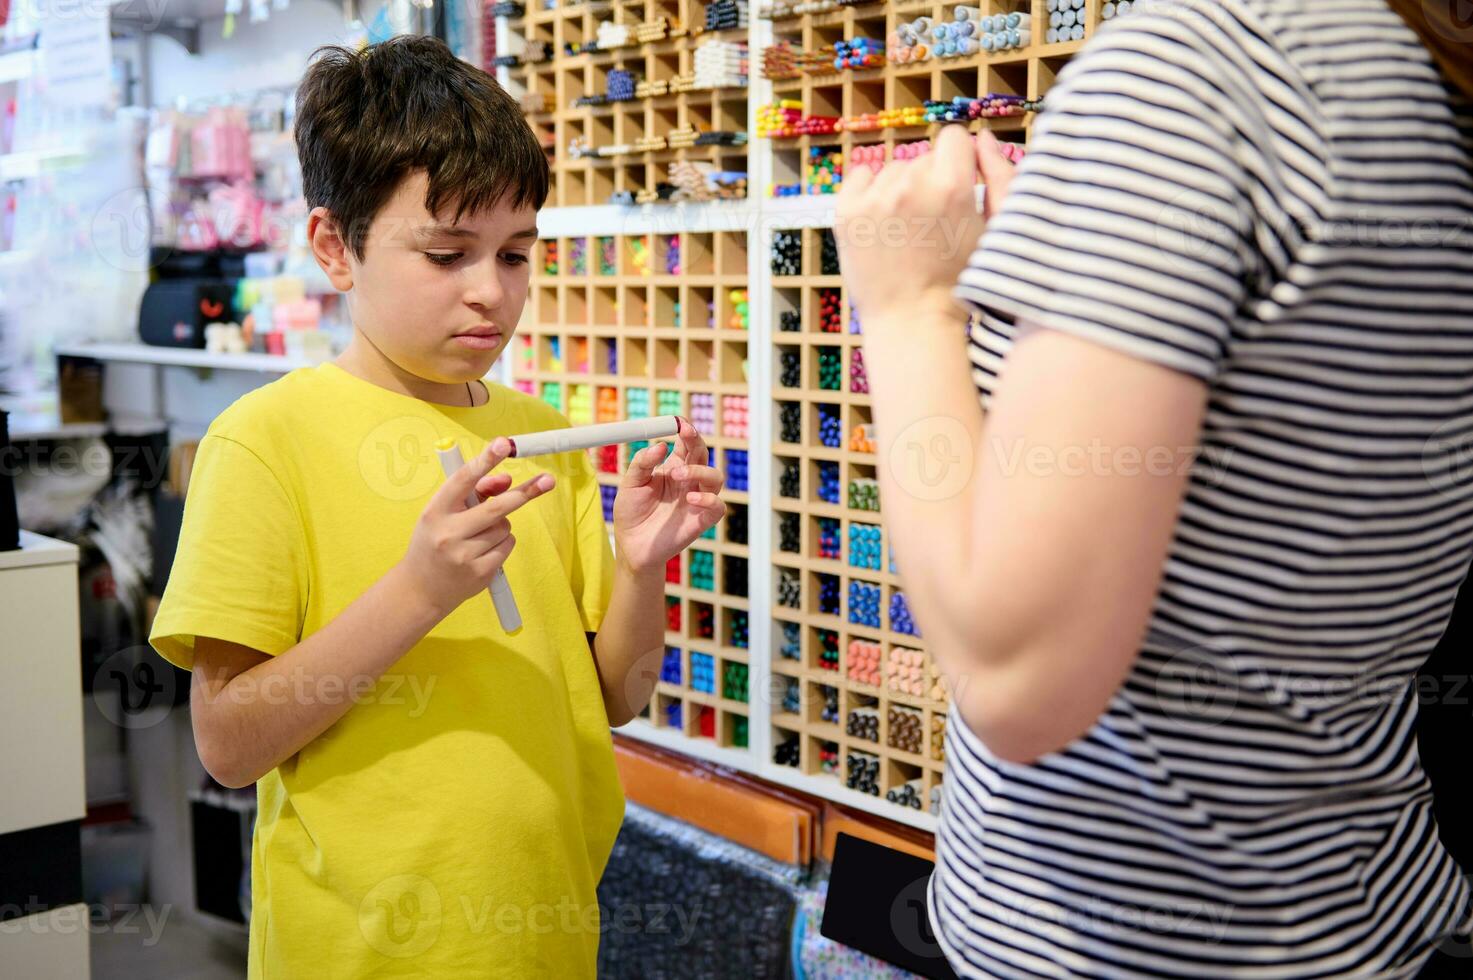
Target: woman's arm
1031,544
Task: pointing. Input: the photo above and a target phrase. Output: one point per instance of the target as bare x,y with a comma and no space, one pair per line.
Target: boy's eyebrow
455,231
448,231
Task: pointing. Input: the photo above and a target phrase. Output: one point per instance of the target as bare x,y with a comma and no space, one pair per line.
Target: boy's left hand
665,504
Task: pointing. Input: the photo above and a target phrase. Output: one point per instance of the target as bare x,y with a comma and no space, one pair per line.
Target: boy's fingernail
544,482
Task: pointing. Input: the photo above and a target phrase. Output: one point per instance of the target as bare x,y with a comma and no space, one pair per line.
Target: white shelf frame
759,216
139,353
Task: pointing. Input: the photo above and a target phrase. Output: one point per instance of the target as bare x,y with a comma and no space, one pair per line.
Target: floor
167,947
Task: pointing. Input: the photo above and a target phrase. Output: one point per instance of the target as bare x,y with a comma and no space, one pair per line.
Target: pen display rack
624,326
630,89
814,115
790,651
868,696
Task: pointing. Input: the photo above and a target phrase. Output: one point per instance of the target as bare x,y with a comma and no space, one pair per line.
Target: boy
437,798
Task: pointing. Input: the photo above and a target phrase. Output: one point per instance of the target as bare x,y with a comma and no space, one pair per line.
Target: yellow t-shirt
456,822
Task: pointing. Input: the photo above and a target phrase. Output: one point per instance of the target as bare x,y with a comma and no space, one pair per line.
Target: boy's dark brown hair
366,119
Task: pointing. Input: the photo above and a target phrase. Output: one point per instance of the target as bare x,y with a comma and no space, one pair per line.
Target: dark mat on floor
679,903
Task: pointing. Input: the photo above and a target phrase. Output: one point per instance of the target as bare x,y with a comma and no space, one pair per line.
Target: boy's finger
496,450
707,478
457,488
692,446
491,484
495,508
642,464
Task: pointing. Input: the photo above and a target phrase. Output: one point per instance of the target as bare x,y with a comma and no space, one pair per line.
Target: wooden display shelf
628,308
566,79
896,766
1028,72
636,307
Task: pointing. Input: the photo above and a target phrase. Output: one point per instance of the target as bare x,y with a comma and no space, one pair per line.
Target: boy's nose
483,289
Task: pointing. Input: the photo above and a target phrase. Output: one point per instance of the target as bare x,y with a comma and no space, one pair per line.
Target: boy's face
440,300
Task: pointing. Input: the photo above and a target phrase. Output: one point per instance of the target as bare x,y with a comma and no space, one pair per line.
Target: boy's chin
449,370
467,365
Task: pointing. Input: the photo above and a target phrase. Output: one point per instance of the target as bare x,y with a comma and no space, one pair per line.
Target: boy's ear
329,248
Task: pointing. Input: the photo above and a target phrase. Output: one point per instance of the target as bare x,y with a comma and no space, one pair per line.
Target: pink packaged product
276,225
220,146
196,232
237,214
302,314
161,151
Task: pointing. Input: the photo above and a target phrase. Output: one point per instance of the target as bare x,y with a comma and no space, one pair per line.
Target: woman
1181,573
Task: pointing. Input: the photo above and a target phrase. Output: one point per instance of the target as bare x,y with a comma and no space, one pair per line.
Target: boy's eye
514,258
443,259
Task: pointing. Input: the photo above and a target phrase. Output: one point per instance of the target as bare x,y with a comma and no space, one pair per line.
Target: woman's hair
1449,41
366,119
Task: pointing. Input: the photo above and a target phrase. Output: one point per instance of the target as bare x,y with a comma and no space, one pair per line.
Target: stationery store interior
447,528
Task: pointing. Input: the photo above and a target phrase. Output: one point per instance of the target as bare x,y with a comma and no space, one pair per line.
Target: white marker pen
500,589
592,436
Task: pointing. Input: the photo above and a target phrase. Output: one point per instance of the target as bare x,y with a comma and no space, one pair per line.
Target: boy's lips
479,338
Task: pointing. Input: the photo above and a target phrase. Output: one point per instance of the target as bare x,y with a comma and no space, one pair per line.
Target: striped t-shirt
1273,197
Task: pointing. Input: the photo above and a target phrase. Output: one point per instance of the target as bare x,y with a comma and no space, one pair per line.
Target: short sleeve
593,569
1129,221
239,573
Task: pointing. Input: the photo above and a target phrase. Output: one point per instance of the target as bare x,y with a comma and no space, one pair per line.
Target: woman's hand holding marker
906,233
457,549
667,499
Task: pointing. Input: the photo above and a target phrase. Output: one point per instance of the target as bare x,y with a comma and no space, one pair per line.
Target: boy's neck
361,359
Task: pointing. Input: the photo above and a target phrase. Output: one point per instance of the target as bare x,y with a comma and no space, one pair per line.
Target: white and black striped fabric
1273,197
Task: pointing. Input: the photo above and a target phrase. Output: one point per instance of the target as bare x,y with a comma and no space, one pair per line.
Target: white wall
257,56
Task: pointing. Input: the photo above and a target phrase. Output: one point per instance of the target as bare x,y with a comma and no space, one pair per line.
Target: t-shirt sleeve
239,573
593,569
1129,222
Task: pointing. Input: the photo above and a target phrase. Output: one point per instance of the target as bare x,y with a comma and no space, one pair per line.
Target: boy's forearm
263,716
630,644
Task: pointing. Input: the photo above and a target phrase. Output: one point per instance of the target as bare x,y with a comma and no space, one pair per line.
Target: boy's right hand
456,549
